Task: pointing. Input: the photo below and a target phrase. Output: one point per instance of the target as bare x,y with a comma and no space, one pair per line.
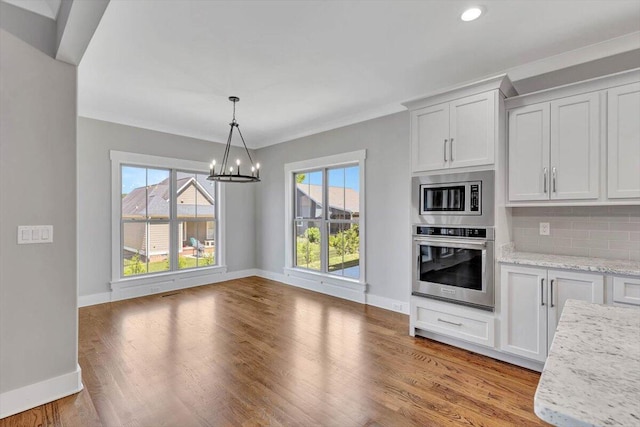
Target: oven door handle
450,243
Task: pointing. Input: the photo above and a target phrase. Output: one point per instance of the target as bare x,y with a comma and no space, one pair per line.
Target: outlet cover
545,229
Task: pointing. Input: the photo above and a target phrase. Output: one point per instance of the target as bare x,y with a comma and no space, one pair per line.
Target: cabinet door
564,285
523,308
430,138
626,290
575,147
529,153
623,142
473,130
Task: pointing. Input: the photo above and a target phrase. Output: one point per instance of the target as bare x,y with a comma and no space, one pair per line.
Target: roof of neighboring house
342,198
133,204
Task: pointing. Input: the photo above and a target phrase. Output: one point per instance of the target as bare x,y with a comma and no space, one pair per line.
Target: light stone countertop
599,265
592,374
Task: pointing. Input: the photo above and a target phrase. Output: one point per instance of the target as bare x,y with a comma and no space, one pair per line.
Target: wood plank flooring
256,352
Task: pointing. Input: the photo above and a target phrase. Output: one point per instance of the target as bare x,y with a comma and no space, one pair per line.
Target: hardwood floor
256,352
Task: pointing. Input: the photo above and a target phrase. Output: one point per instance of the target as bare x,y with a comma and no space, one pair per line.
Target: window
325,216
167,215
145,213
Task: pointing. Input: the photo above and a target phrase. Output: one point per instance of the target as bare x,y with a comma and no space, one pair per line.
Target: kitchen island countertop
592,374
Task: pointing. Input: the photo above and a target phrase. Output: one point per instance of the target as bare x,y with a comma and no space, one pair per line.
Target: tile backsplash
611,232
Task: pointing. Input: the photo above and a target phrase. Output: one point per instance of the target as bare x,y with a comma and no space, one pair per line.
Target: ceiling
307,66
47,8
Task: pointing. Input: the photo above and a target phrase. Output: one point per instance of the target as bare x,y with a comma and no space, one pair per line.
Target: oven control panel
451,231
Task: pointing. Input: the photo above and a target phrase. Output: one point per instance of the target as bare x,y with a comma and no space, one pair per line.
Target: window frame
121,158
324,163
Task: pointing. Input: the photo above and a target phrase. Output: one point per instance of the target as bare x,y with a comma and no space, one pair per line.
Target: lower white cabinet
532,300
626,290
453,320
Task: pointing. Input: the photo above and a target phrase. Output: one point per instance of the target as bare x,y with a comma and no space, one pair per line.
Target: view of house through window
167,220
327,214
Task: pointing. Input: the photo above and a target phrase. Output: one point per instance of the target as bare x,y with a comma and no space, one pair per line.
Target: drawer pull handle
451,323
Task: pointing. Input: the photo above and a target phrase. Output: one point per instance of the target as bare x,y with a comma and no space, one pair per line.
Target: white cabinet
532,300
454,134
623,139
429,138
529,152
554,150
626,290
465,323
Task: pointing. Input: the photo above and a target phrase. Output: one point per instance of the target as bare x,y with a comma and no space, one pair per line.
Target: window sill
129,282
353,284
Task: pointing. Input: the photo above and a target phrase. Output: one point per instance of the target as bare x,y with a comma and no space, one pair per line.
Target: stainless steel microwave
454,199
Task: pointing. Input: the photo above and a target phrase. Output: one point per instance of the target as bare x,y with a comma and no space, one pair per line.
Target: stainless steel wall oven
453,238
455,264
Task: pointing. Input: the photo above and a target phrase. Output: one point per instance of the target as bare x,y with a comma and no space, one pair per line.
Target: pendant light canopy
227,173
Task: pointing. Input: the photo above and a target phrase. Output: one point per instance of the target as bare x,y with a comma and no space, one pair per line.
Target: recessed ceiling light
471,14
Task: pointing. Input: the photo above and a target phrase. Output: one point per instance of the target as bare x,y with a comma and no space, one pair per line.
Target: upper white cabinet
554,149
457,128
455,134
623,136
578,144
430,138
529,152
472,130
532,300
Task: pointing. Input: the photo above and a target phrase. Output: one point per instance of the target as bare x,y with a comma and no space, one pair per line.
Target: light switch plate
35,234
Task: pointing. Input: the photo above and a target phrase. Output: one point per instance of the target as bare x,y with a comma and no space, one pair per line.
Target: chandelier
226,172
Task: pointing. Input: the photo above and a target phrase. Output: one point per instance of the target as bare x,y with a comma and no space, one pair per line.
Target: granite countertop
592,374
600,265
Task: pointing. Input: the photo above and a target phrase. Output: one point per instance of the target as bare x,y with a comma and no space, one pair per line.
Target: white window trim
119,158
323,162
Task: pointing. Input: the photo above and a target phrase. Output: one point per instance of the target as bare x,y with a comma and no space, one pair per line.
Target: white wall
387,178
38,293
95,140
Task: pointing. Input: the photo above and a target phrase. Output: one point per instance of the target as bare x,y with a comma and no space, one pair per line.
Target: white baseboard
160,286
388,303
30,396
174,284
338,291
93,299
316,286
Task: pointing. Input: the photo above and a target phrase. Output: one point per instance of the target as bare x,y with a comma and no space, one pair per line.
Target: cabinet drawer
453,320
626,290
